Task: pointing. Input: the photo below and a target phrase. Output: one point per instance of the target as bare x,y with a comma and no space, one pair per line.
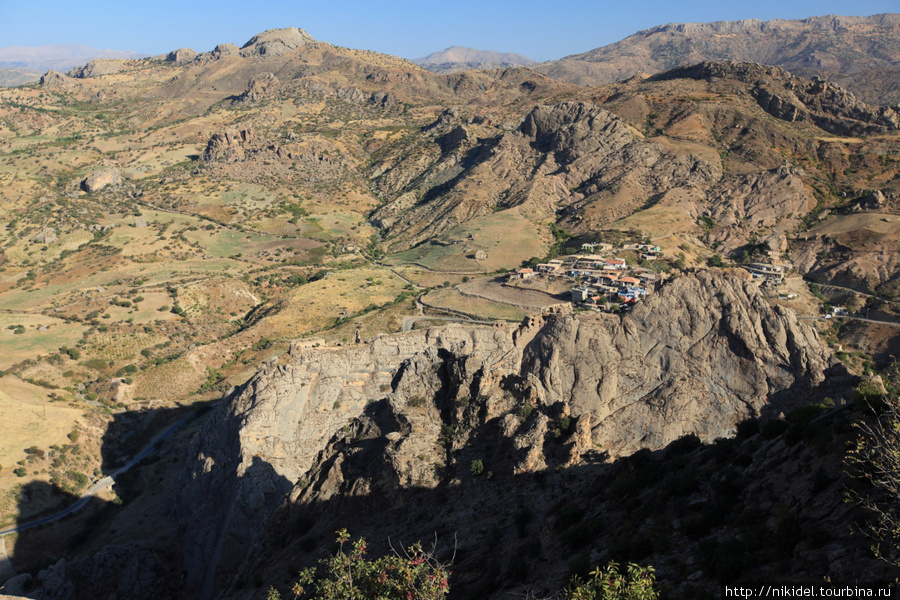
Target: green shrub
477,467
524,411
21,472
263,344
637,583
349,575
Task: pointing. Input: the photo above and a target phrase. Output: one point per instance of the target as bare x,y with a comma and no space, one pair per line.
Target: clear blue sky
539,30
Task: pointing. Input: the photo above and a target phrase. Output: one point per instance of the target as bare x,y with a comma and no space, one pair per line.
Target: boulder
47,235
16,587
98,180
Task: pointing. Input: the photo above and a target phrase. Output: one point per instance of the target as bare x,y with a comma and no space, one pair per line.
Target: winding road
822,317
107,481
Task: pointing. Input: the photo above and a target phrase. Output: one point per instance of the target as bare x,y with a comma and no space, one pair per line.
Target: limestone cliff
703,354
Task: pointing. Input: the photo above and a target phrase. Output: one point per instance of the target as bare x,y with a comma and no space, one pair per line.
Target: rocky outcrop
705,353
774,201
97,68
276,42
181,56
47,235
259,87
228,146
98,180
225,50
54,79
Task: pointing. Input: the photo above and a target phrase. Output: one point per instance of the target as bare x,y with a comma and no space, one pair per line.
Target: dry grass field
507,237
450,298
42,335
317,305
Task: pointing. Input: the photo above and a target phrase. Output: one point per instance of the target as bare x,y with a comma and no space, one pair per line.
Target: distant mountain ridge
859,53
24,64
460,58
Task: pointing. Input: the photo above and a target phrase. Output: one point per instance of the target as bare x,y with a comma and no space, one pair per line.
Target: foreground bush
637,583
417,575
348,575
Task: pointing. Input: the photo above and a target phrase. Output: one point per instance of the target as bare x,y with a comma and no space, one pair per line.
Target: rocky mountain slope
459,58
860,53
698,140
412,411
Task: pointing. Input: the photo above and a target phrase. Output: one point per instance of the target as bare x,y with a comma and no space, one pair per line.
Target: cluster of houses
766,274
598,279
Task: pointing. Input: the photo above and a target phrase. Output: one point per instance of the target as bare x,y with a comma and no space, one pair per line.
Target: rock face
54,79
260,86
181,56
227,146
100,179
97,68
276,42
775,199
695,359
669,369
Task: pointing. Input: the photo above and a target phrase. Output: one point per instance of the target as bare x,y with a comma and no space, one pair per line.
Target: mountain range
303,284
458,58
860,53
25,64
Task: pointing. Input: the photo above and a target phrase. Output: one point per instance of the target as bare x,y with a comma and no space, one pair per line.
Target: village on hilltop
602,280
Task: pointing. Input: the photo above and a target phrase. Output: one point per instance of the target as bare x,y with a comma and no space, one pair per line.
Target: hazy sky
540,30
